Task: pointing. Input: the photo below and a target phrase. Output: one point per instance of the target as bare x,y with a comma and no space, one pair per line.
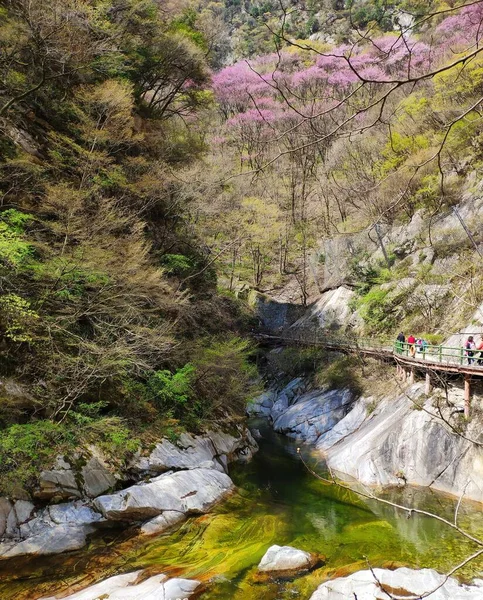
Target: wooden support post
411,376
428,385
467,396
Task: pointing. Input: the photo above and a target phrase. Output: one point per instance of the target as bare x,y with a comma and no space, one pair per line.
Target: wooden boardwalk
429,360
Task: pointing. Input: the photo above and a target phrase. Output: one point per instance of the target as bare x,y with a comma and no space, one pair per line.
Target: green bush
341,374
377,310
171,391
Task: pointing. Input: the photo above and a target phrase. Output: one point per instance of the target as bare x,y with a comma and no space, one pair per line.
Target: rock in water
188,492
401,583
285,560
124,587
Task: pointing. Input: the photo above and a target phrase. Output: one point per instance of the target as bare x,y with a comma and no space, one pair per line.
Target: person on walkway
480,347
470,348
400,342
412,347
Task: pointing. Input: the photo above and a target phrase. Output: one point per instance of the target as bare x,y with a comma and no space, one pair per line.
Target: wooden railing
419,353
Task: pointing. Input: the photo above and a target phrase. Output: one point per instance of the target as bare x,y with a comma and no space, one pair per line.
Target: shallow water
277,502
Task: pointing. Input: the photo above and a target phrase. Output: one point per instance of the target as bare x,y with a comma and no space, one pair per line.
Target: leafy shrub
340,374
376,310
13,249
176,264
171,391
16,318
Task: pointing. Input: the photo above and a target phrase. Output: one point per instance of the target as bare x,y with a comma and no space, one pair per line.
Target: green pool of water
277,502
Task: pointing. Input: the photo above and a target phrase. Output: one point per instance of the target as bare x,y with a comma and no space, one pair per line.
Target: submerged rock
125,587
188,492
163,522
286,560
403,582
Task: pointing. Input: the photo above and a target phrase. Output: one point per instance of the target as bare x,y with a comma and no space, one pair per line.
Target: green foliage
14,250
17,319
25,449
341,374
176,264
171,391
377,309
294,362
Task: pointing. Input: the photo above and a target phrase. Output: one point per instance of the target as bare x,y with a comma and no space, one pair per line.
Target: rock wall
400,443
178,479
394,442
301,413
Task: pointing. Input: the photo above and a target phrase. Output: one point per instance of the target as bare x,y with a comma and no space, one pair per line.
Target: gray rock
331,311
52,540
286,559
313,414
408,582
350,423
124,587
188,492
58,482
398,443
97,478
55,529
164,521
262,405
287,396
23,510
210,451
73,514
190,452
12,516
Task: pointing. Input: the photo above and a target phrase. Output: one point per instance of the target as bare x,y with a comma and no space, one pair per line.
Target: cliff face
430,283
404,439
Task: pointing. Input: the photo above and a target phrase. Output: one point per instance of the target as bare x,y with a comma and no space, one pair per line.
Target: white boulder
124,587
189,492
286,559
403,582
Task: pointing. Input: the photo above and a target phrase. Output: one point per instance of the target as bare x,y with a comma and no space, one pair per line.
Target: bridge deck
436,358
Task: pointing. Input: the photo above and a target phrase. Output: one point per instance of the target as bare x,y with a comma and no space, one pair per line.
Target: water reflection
277,501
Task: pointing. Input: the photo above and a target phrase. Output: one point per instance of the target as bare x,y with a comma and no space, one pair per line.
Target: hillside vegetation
110,318
319,143
145,188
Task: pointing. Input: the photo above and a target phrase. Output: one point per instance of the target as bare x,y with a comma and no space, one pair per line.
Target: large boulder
262,404
366,585
126,587
59,482
313,414
57,528
350,423
77,477
213,450
286,560
189,492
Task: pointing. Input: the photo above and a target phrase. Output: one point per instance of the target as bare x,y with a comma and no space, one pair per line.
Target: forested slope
110,319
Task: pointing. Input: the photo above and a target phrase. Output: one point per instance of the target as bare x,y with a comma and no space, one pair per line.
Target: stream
277,502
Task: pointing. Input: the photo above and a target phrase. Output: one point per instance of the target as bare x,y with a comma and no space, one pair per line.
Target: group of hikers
414,345
421,345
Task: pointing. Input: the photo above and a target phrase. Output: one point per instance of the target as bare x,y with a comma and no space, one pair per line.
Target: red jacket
411,339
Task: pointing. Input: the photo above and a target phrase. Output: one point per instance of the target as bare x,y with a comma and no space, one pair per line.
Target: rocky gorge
176,479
